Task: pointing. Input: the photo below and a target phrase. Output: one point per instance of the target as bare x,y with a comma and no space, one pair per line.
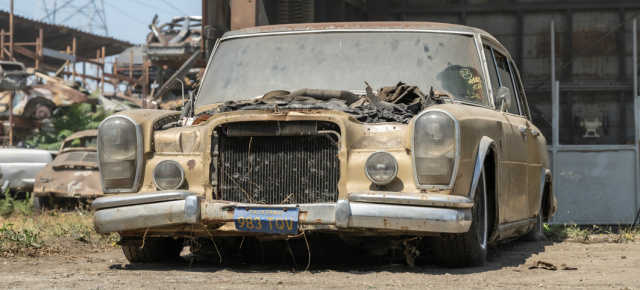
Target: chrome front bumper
428,213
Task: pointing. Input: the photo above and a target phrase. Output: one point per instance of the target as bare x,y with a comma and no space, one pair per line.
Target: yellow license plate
266,220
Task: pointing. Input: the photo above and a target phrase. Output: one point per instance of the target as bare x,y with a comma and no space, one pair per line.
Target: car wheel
39,203
153,250
536,234
467,249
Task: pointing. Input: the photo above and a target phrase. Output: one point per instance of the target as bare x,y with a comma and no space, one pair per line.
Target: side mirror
503,99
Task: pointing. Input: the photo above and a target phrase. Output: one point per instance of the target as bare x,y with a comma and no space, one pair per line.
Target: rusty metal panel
243,14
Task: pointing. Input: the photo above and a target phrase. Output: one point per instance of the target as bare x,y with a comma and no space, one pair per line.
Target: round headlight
381,168
435,133
168,175
118,138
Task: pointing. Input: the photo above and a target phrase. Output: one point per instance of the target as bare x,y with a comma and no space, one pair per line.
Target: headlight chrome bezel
138,157
180,169
395,168
456,149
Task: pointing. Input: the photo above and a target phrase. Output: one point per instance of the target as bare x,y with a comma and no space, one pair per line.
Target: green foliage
66,121
9,206
555,232
19,238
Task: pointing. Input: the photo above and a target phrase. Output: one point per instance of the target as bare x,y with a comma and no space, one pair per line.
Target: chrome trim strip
139,154
483,148
409,218
347,30
206,69
424,199
485,73
343,211
142,216
192,209
454,171
139,198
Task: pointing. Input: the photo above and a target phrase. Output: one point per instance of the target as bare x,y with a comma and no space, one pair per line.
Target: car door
534,138
513,179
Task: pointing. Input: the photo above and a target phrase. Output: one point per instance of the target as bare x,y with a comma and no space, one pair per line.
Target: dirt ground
597,265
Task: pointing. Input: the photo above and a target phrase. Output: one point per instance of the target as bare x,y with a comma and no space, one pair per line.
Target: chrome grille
279,169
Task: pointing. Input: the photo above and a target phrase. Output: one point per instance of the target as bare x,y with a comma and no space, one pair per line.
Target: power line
125,14
176,8
156,8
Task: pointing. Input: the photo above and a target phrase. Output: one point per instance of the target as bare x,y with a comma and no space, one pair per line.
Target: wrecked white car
372,132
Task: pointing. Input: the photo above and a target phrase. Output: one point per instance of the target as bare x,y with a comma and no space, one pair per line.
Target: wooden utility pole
12,93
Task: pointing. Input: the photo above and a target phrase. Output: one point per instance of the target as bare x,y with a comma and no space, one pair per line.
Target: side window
504,72
521,96
493,74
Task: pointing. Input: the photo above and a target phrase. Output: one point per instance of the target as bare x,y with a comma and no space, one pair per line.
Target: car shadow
345,260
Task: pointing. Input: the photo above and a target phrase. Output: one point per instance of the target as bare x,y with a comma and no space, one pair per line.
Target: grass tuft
592,234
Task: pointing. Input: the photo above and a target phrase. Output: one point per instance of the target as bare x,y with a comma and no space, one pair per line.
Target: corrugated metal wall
596,84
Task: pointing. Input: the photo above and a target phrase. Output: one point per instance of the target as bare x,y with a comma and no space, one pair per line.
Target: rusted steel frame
10,46
7,52
205,21
123,78
102,77
83,76
73,76
39,47
26,52
131,64
2,34
11,110
26,43
243,14
178,74
66,67
145,85
88,60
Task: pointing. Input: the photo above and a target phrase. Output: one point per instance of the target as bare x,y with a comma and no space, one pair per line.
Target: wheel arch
546,194
487,157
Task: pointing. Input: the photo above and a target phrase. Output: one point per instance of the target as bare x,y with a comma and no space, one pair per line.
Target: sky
127,20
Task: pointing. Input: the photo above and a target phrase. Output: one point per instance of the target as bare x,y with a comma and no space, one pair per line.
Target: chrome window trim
139,155
456,157
206,70
346,30
395,163
153,175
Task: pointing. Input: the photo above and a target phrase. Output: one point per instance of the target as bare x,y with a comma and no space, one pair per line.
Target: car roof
80,134
345,26
399,25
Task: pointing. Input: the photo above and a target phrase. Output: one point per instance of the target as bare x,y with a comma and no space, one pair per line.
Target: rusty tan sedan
371,132
72,175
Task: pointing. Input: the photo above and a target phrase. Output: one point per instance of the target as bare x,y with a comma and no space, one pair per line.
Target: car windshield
248,67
